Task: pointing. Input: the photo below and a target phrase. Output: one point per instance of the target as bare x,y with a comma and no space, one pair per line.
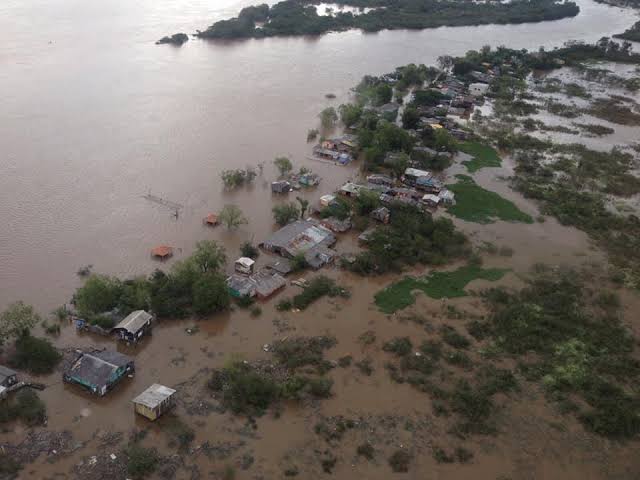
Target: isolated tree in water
304,204
232,216
283,164
209,256
17,319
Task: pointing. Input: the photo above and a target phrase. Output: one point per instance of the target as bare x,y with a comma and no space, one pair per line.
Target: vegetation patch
483,156
317,288
25,406
141,461
437,285
475,204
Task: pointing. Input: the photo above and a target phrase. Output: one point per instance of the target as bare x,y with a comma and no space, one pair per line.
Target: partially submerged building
98,372
8,377
154,401
411,175
298,237
281,266
281,186
134,326
244,265
382,214
262,285
336,225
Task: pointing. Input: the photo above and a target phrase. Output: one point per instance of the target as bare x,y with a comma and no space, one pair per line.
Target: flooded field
98,116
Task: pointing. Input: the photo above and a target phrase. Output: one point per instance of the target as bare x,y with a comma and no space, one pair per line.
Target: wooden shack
162,252
134,326
154,401
211,220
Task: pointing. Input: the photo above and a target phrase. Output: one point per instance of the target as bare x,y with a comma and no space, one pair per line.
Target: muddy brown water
94,116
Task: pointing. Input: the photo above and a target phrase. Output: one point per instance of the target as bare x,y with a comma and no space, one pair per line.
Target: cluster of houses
338,150
295,181
418,188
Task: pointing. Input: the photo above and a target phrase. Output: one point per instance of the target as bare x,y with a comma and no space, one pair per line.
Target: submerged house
262,285
240,286
244,265
281,186
381,214
154,401
336,225
7,377
134,326
298,237
98,372
411,175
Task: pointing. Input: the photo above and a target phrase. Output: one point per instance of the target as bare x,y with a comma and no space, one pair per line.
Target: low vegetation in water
437,285
475,204
483,156
141,461
317,288
572,340
632,33
25,406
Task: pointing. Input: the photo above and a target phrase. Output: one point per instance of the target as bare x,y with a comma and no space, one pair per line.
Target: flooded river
94,115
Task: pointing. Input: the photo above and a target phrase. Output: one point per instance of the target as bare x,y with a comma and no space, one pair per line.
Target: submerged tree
285,213
304,204
232,217
17,319
328,118
283,164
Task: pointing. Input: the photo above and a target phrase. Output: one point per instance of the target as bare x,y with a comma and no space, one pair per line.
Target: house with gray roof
7,377
98,372
134,326
299,237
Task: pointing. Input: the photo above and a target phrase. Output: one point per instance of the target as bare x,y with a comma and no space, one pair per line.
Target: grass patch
483,156
437,285
475,204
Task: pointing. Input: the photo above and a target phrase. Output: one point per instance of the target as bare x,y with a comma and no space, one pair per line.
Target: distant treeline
299,17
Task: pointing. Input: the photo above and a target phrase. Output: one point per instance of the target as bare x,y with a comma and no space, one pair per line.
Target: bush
295,352
399,461
401,346
366,450
141,461
210,294
9,467
318,287
441,456
285,213
25,406
180,433
453,338
36,355
247,249
365,366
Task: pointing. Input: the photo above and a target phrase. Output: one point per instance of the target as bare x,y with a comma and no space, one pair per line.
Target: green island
437,285
300,17
632,34
483,156
475,204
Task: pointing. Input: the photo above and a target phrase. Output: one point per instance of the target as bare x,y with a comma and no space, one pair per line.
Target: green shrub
453,338
36,355
141,461
366,450
401,346
399,461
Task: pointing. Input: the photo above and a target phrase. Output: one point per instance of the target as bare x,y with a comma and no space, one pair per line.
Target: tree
99,294
304,204
210,294
410,118
328,118
366,202
384,93
283,164
232,216
209,256
34,354
445,62
400,164
444,141
285,213
350,114
247,249
16,319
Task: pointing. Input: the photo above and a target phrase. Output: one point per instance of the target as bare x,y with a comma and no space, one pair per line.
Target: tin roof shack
244,265
430,200
428,184
389,111
478,89
365,236
7,377
381,214
281,186
326,200
298,237
447,197
319,256
382,180
241,286
350,189
309,179
267,284
336,225
98,372
412,174
154,401
281,266
134,326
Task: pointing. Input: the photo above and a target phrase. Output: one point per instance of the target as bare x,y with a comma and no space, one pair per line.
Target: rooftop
134,321
154,395
299,236
97,368
6,372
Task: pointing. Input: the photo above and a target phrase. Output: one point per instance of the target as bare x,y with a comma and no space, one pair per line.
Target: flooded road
94,115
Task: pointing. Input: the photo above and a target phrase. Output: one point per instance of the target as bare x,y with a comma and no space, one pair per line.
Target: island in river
300,17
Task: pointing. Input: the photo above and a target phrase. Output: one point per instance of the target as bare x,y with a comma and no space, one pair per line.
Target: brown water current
94,115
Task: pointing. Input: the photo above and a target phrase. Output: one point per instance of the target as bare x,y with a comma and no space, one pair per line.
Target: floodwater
94,115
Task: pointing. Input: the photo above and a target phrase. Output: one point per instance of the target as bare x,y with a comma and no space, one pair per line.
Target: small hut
211,220
154,401
162,252
134,326
244,265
